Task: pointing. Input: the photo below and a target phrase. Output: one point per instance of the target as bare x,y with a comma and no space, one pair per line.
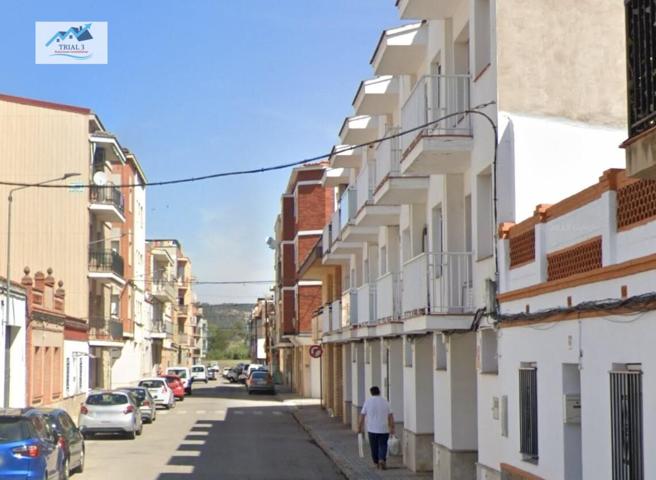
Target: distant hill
226,314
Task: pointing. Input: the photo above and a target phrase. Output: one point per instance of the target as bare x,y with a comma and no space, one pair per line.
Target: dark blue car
28,447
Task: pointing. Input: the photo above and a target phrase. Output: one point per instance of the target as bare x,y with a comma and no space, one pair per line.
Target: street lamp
10,200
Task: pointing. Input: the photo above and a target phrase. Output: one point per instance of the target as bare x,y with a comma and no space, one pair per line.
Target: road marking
185,469
277,413
200,411
198,433
203,425
257,412
182,411
192,442
187,453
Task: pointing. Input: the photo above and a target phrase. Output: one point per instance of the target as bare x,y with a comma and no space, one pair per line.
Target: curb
341,463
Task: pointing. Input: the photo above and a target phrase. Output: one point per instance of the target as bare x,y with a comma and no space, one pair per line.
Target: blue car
28,447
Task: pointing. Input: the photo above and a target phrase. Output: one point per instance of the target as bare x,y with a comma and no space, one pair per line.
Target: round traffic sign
316,351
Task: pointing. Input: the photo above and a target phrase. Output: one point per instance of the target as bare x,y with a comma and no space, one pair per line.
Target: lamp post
4,324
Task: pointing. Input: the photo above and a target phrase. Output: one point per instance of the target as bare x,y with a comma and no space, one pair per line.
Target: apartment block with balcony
135,357
306,206
414,226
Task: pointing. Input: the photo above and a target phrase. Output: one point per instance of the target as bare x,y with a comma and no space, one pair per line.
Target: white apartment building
414,229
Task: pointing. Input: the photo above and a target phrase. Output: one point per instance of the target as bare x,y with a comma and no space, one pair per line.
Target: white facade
76,368
16,357
415,226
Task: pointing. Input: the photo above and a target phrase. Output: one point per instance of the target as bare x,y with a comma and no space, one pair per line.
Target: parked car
199,373
226,370
69,437
28,446
146,404
110,411
260,381
233,374
160,391
254,366
175,383
185,374
212,372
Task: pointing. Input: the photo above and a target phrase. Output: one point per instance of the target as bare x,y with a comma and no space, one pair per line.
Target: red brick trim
44,104
518,473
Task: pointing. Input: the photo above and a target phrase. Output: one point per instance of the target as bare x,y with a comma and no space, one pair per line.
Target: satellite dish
100,179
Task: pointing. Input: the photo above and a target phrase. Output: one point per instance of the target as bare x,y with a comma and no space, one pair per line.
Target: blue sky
207,86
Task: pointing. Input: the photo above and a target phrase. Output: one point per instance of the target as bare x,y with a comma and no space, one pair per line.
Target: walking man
380,423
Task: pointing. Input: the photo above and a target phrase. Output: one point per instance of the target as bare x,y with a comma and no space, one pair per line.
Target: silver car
146,403
110,412
160,391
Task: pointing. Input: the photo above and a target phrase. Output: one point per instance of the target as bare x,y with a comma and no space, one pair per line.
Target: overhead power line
262,169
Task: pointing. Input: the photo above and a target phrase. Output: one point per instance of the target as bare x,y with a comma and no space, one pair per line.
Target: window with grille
68,376
626,423
641,63
528,412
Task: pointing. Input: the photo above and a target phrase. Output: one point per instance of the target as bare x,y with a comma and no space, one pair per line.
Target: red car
175,383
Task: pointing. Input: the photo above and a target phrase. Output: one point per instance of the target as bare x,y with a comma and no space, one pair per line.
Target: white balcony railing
366,303
365,185
324,318
438,283
326,239
336,315
434,97
347,206
388,297
335,226
388,156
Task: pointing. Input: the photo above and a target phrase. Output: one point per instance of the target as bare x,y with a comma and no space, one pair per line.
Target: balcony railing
106,261
326,238
348,206
107,195
336,315
434,97
367,303
160,326
324,318
388,297
335,225
438,283
103,328
164,286
365,184
388,156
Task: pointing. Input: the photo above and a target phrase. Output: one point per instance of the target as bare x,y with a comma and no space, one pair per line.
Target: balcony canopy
343,157
401,51
359,129
332,177
427,9
378,96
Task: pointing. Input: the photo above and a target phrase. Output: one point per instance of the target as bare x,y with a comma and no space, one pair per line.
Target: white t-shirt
376,410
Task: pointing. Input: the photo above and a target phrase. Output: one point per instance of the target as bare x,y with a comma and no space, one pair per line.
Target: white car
185,375
159,390
199,373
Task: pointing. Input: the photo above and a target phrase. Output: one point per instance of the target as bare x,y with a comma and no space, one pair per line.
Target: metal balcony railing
335,226
165,285
347,206
438,283
388,156
106,261
434,97
103,328
388,297
107,195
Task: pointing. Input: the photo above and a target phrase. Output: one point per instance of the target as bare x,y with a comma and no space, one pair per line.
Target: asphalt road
219,432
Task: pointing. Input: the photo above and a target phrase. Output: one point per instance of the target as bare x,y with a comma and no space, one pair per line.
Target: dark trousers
378,444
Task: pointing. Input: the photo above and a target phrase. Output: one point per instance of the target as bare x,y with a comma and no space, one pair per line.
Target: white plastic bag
394,445
361,445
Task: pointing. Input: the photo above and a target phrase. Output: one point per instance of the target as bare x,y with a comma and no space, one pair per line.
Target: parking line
277,413
257,412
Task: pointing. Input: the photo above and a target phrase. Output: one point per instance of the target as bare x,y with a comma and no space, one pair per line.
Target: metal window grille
528,412
68,376
641,63
626,425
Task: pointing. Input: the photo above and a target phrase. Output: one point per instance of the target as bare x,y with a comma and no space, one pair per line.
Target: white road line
257,412
203,425
277,413
200,411
199,433
182,469
187,453
192,442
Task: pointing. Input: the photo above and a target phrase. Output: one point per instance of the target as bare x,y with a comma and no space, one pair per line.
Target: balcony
164,288
105,331
378,96
106,203
445,146
342,156
334,177
388,298
161,329
349,307
366,304
182,339
324,319
437,292
358,130
401,51
106,266
427,9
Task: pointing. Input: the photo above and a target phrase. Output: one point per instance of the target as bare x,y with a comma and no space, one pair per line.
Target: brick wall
309,299
288,220
288,312
311,202
288,265
304,246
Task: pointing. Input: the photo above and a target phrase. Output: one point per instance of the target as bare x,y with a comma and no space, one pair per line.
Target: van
199,373
185,375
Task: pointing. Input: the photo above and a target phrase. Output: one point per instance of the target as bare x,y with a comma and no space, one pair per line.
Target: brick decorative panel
636,202
522,248
584,257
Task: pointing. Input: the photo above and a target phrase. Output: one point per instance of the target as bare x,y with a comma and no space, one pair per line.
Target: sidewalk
341,444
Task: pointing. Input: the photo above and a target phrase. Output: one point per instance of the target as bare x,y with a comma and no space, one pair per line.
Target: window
114,302
483,36
528,412
626,422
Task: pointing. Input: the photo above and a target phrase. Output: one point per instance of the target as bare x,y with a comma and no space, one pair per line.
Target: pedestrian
379,420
